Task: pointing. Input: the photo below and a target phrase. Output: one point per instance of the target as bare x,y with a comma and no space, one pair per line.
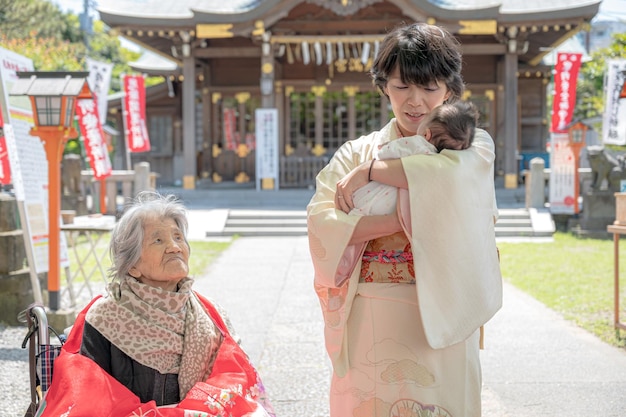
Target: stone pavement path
266,286
536,364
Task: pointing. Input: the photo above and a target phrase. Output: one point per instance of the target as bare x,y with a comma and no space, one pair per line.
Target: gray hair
127,236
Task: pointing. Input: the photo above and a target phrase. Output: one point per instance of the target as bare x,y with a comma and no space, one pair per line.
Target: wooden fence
300,171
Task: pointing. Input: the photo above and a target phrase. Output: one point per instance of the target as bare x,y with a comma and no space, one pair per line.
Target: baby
449,126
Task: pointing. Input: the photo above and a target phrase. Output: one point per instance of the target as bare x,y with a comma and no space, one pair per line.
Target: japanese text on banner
614,120
99,83
95,145
266,131
135,114
565,76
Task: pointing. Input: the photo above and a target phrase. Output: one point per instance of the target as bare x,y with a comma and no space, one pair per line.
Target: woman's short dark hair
424,54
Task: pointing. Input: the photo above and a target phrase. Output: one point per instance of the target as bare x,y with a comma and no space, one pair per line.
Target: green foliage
48,54
26,18
72,147
590,94
573,276
39,30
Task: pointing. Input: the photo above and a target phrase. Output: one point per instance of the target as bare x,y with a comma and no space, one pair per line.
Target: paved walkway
535,363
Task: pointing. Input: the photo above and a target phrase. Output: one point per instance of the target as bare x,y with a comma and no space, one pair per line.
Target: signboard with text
27,159
266,122
562,175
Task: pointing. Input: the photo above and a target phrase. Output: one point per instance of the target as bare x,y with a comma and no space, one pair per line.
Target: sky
613,9
608,8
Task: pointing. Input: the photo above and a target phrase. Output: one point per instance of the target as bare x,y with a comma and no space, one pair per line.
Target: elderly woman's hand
346,187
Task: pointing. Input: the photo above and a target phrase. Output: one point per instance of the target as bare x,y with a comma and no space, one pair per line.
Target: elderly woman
153,344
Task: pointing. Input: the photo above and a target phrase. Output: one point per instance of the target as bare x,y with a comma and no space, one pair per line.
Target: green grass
203,253
573,276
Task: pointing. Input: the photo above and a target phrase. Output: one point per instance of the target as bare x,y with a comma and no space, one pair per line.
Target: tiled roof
179,9
187,9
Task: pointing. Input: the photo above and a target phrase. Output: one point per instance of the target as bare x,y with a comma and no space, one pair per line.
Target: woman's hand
346,187
388,171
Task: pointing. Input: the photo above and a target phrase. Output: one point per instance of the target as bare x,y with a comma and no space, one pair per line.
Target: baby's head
450,126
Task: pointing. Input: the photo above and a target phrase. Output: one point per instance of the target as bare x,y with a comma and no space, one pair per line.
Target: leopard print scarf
167,331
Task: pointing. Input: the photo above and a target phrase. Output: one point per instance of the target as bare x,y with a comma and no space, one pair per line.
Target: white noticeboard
266,122
29,168
562,175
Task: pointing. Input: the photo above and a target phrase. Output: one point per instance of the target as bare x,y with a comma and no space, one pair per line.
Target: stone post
536,184
142,177
72,194
16,292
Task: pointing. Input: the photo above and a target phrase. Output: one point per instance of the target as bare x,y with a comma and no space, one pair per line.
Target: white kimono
397,347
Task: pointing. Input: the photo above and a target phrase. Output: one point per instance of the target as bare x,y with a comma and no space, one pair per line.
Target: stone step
512,224
266,222
263,231
267,214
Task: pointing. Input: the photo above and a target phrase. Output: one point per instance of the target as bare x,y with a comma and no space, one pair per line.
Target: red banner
135,113
564,100
93,137
230,129
5,168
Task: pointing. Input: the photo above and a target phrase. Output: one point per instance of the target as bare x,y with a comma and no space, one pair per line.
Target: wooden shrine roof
481,25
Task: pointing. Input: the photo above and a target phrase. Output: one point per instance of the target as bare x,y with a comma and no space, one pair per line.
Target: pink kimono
401,348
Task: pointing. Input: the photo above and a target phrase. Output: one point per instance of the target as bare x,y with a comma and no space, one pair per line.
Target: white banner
614,121
266,122
563,195
99,82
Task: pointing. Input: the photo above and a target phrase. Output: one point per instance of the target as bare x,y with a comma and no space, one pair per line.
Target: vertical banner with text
99,82
564,100
93,138
135,113
230,129
562,175
614,120
563,161
266,123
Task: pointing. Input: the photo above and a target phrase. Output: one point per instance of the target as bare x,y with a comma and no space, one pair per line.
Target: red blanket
81,388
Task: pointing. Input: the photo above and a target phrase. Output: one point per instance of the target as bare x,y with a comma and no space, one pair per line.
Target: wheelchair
41,353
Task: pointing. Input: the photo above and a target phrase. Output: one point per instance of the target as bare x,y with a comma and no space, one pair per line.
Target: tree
48,54
26,18
39,30
590,86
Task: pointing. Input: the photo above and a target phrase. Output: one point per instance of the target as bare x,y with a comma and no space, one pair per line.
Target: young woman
404,295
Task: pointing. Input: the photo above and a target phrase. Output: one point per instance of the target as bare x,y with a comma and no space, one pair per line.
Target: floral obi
388,259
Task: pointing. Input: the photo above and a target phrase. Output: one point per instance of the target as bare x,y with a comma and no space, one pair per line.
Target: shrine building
309,61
